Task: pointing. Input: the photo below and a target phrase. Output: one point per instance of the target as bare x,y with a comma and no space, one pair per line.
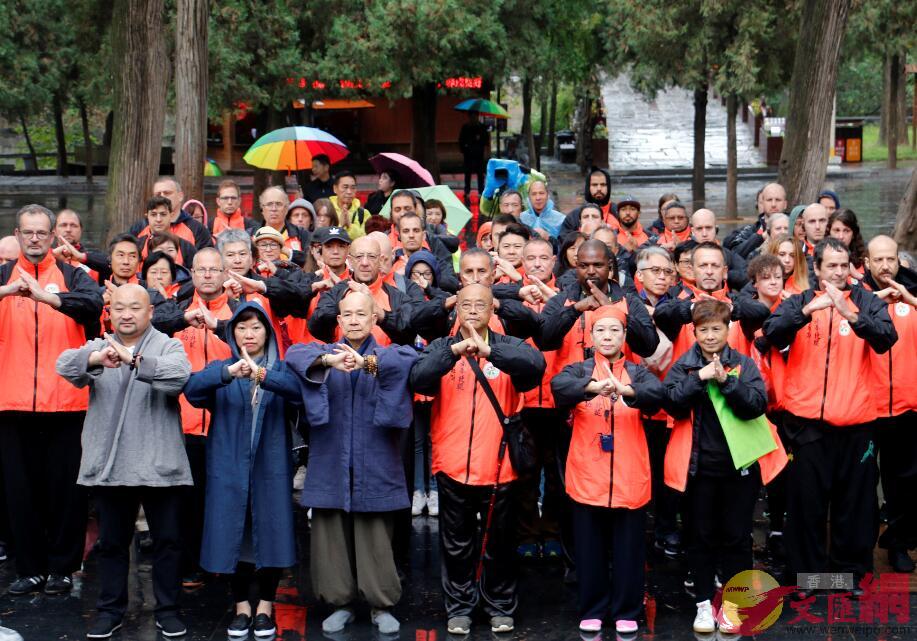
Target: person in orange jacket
608,472
830,416
894,385
46,306
719,499
466,435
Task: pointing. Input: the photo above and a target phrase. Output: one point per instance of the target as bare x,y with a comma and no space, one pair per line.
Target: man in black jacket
596,191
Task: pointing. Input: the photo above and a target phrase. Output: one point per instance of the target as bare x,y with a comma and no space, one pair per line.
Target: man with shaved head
358,404
771,200
815,224
135,376
466,431
894,386
394,308
704,230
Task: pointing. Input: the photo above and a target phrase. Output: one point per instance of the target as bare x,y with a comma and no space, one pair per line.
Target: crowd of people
541,392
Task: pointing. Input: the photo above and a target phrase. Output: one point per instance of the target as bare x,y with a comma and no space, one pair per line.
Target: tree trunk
886,113
28,140
528,138
812,88
892,119
191,95
423,135
87,137
542,128
732,164
698,183
584,128
552,118
139,99
60,138
906,223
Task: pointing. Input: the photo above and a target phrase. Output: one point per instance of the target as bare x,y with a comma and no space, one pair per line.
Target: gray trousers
352,556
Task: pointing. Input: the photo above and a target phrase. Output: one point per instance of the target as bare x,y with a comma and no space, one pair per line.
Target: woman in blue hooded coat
248,514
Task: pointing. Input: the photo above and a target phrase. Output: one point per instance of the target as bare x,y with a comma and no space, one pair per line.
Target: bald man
358,405
394,308
9,249
135,376
466,431
386,255
894,386
771,200
704,230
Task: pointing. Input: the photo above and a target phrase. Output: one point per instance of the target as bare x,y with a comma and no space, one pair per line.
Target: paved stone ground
652,135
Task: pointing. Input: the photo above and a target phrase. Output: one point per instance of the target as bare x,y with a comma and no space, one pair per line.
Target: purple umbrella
410,173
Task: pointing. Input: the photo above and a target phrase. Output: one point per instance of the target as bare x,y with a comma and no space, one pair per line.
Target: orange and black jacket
464,427
594,476
828,364
184,227
33,335
563,326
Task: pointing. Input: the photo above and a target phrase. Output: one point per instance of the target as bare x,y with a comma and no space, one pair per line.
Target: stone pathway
660,134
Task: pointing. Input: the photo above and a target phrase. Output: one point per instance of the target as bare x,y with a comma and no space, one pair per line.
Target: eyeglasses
272,205
422,274
207,271
40,235
659,271
268,245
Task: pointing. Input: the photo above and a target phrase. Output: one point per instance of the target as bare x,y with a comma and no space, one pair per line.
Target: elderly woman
248,518
608,471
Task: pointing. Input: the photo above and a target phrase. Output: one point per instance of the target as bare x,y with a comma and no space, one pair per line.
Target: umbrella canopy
292,148
410,173
211,168
457,215
483,106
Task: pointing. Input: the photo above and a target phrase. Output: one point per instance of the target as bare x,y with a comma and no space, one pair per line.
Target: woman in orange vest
608,471
720,499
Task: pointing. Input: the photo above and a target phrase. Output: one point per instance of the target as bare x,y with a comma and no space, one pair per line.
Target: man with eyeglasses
46,307
181,223
466,434
274,203
229,213
394,308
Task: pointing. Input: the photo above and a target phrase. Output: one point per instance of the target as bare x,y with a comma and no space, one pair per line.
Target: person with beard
566,318
596,191
894,385
631,234
830,416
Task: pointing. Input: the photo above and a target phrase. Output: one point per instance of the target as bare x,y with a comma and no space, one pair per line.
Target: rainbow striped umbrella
292,149
211,168
482,106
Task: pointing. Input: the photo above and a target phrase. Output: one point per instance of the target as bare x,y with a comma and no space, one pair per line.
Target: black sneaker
59,584
264,625
900,560
239,626
103,627
171,626
26,585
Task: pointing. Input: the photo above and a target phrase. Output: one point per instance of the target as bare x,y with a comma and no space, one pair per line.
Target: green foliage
874,152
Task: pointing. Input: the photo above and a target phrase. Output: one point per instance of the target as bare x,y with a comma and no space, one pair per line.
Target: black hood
588,197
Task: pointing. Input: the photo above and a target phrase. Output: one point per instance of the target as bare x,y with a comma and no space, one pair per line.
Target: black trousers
460,548
40,455
666,501
543,425
473,165
118,508
561,449
595,529
833,477
265,580
720,513
777,489
192,511
897,438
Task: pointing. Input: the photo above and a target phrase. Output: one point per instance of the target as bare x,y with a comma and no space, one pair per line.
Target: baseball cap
324,235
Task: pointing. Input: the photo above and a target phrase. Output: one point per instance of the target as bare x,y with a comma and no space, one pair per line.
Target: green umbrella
457,215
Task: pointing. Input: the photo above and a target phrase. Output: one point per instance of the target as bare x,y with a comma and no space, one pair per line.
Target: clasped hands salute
610,386
28,287
832,297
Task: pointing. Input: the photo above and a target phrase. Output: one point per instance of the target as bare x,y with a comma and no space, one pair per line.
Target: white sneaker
418,502
704,623
299,480
727,619
433,503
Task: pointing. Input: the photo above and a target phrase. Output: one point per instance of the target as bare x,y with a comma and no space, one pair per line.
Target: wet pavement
547,605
